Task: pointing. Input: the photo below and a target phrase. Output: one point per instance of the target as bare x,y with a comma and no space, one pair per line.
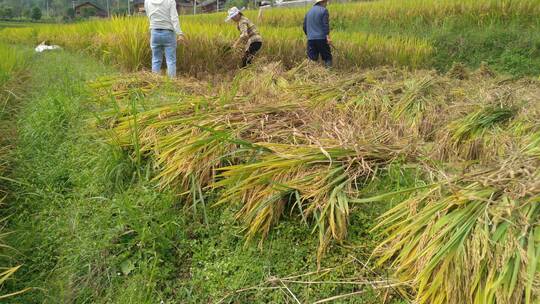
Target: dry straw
273,141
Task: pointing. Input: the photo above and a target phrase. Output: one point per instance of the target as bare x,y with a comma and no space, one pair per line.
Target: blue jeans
163,41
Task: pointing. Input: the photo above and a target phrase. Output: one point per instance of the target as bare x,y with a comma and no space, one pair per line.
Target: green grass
93,228
4,24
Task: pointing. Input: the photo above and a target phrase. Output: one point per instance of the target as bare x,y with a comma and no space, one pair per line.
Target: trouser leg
157,51
326,54
170,54
253,48
312,50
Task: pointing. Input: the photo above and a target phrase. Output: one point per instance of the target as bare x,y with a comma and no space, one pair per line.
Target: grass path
90,227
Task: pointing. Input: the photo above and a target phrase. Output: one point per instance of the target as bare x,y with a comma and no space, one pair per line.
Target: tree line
53,9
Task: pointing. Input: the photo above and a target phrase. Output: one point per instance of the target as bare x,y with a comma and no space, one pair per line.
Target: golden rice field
406,12
286,138
124,41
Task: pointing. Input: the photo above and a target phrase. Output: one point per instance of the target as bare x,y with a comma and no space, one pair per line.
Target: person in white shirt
165,33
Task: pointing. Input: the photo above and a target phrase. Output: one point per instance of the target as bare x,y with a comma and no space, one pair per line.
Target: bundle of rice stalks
475,239
532,145
123,86
468,137
336,90
458,71
484,70
413,104
188,139
319,181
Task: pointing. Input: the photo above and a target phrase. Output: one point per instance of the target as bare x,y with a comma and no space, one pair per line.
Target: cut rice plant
475,124
190,138
467,137
124,86
271,141
532,145
318,181
413,103
472,240
336,91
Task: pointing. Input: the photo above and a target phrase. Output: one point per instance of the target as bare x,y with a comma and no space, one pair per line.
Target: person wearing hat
317,30
165,33
249,35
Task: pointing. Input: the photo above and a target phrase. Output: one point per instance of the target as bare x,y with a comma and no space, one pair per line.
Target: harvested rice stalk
413,104
458,71
123,86
336,90
475,239
485,71
189,139
468,136
320,181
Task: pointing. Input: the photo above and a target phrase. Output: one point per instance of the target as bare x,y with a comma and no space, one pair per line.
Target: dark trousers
254,47
319,47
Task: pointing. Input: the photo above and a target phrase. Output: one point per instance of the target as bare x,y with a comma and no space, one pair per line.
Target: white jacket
163,15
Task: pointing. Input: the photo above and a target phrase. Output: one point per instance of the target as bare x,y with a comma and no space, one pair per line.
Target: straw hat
233,11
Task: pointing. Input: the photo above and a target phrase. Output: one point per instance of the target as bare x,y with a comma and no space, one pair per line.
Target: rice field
124,42
450,160
293,147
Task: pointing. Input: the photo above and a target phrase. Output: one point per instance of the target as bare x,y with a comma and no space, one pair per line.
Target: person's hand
181,39
329,40
236,48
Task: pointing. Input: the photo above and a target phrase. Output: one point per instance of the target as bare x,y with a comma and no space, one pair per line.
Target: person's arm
244,35
304,26
326,23
174,19
326,26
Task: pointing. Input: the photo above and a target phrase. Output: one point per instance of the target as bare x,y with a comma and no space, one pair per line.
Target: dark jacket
317,23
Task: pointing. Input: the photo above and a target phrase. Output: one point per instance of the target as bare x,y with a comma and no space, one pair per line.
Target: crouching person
249,40
165,33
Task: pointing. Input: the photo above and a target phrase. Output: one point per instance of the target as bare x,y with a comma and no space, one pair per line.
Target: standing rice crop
13,61
403,13
125,42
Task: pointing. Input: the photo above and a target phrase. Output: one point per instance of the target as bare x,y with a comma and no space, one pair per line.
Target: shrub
36,13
